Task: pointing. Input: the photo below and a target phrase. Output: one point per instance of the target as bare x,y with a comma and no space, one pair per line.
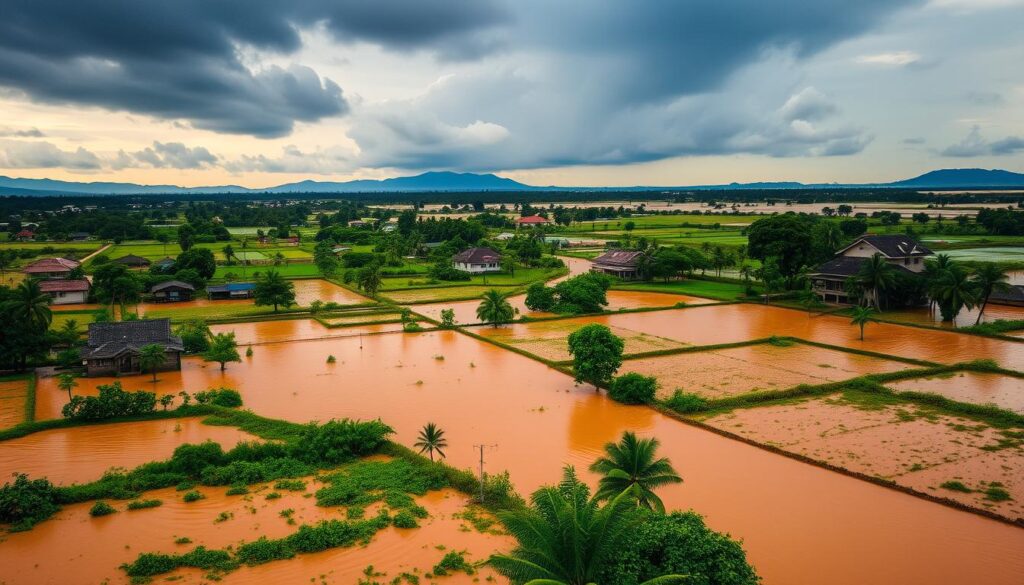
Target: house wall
69,298
477,268
109,367
864,250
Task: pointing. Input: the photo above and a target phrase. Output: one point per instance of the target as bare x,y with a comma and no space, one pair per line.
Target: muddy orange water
730,323
800,524
12,402
975,387
966,317
82,549
82,454
728,372
297,329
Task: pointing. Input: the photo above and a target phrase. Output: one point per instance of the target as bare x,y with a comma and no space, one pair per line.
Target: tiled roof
846,266
530,219
172,284
108,340
477,256
1014,294
892,246
49,286
618,259
132,260
51,265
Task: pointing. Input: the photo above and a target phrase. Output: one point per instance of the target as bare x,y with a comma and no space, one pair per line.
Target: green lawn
156,251
294,270
722,291
186,311
662,221
83,318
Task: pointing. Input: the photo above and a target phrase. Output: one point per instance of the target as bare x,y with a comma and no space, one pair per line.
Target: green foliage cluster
192,496
596,352
336,442
633,388
226,397
997,327
101,508
150,564
112,402
143,504
685,402
25,502
195,336
405,519
452,562
584,293
366,482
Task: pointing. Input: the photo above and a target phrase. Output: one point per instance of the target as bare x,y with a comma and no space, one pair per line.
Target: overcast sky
568,92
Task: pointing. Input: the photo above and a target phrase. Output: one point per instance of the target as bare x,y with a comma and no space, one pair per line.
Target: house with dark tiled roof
66,291
133,261
477,260
620,263
114,348
51,268
231,290
902,252
172,291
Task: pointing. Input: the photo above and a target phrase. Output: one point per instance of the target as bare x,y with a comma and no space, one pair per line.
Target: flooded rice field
297,329
83,549
974,387
728,372
82,454
798,522
13,394
732,323
965,318
910,445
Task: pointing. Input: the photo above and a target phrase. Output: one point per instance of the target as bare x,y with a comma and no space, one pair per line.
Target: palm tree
432,439
67,383
369,280
630,465
565,537
495,309
989,278
876,275
953,290
229,252
29,304
933,269
862,316
151,357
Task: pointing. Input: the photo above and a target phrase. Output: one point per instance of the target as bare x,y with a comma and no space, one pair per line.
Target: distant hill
954,178
461,182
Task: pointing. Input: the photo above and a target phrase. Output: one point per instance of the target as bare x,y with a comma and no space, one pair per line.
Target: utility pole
481,448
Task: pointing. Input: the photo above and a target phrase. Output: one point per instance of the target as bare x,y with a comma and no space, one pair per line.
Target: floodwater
12,402
82,549
800,524
974,387
731,323
728,372
82,454
298,329
966,317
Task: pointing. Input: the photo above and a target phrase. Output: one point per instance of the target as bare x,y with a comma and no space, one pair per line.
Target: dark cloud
174,155
181,59
21,132
974,144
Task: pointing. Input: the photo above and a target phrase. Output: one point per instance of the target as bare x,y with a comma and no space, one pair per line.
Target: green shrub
25,502
452,562
955,486
337,442
996,493
685,403
112,402
633,388
143,504
150,564
404,519
237,490
101,508
264,550
192,496
273,495
225,397
292,485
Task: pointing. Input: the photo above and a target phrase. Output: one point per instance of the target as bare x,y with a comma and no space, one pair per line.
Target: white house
66,291
477,260
829,279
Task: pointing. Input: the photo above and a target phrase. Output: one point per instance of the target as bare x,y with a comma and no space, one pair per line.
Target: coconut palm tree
989,278
932,270
565,537
30,305
151,357
431,439
495,309
862,316
876,275
631,465
67,383
953,290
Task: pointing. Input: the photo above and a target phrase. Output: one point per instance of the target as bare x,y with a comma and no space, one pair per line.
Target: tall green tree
596,354
223,349
369,280
495,309
875,276
229,252
186,237
30,305
430,440
861,317
631,466
987,279
67,383
151,357
274,290
953,290
565,537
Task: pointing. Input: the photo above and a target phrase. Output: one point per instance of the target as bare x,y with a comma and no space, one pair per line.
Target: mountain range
461,182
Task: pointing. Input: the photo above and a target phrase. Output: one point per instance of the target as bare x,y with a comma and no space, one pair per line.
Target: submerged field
799,522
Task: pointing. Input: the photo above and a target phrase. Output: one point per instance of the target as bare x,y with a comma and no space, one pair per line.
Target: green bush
292,485
264,550
225,397
686,403
337,442
405,519
150,564
452,562
633,388
101,508
25,502
192,496
112,402
540,297
237,490
678,544
143,504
